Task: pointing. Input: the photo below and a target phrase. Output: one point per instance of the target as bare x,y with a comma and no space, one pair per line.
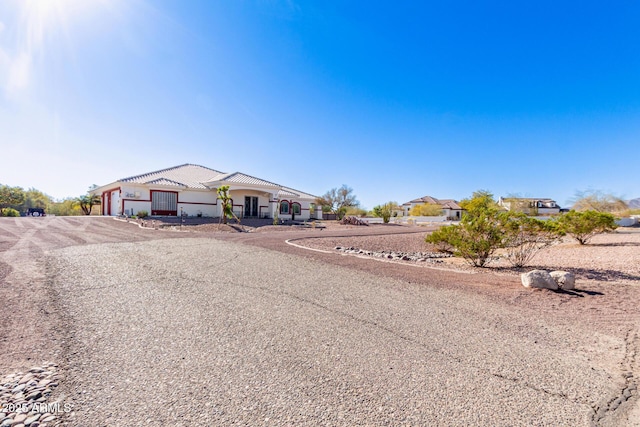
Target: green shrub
475,239
524,237
484,229
444,238
584,225
10,212
143,214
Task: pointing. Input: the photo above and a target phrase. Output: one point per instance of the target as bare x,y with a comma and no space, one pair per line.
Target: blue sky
395,99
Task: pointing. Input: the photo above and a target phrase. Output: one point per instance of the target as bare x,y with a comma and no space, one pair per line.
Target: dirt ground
605,299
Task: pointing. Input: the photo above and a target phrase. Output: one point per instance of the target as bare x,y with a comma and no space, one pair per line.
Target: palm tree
87,202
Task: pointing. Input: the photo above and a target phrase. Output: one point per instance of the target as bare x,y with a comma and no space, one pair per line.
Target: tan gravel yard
608,257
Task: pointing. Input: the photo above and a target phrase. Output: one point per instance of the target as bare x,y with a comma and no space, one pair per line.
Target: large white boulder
538,279
564,279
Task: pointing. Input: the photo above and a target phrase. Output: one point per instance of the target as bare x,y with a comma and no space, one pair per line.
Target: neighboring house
530,206
191,190
450,208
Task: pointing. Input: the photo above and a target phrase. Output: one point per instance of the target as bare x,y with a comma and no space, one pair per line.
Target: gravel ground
243,329
203,332
613,257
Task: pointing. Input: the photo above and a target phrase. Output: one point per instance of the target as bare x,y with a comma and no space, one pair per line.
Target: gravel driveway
227,331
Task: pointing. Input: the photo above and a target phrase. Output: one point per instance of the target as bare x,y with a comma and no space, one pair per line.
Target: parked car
36,212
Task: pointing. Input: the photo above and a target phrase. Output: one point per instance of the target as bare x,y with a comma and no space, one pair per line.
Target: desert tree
11,197
338,200
426,209
594,200
385,211
88,201
36,199
65,207
480,199
584,225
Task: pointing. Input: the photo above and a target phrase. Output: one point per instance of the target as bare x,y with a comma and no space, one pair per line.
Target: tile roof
241,178
164,181
289,192
187,175
533,199
196,176
299,193
446,203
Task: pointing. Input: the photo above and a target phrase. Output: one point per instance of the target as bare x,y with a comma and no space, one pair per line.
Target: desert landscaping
277,326
611,257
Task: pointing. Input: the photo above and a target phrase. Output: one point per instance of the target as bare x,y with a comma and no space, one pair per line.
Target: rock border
433,257
23,398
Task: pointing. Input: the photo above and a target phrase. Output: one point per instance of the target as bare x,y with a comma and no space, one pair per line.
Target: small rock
44,383
34,395
19,388
19,418
26,378
31,420
614,405
564,279
538,279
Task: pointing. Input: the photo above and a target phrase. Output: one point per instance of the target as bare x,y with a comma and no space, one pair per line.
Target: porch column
275,209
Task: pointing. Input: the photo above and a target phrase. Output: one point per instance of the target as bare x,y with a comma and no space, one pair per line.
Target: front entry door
250,206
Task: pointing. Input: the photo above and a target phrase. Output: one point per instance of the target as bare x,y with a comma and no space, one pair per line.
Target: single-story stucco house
191,190
450,208
530,205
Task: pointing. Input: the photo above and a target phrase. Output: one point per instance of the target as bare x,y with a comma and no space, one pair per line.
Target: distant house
530,206
450,208
191,190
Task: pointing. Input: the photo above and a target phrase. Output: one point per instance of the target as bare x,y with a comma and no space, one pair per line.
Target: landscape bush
582,226
524,236
385,211
475,239
485,228
142,214
10,212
